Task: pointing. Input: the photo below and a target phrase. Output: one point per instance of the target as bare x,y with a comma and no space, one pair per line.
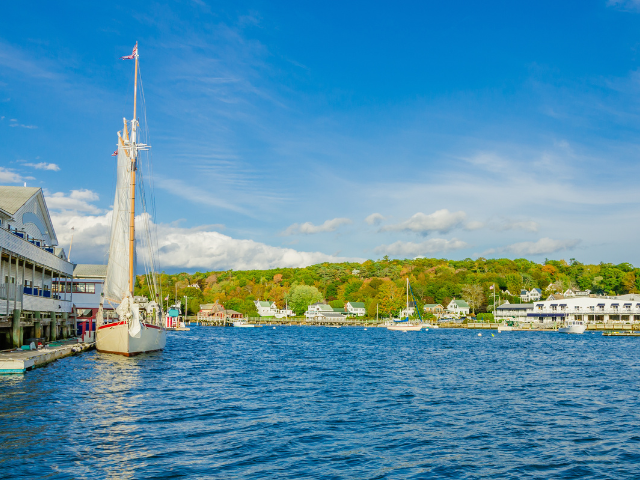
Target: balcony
15,244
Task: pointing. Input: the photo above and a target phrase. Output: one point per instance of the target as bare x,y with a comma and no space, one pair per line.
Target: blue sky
287,133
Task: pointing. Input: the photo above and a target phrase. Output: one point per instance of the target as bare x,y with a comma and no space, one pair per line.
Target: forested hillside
382,283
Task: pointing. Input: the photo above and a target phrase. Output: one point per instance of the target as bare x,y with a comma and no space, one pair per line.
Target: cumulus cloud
413,249
9,176
309,228
474,225
543,246
441,221
182,248
44,166
77,200
374,219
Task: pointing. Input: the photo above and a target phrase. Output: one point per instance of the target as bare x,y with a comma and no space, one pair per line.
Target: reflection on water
331,403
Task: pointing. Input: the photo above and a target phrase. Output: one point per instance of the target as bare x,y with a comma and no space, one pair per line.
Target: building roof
523,292
232,312
12,198
339,309
356,304
263,303
536,290
87,270
516,306
433,305
461,303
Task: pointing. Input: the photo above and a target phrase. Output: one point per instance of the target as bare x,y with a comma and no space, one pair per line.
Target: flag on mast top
133,54
115,154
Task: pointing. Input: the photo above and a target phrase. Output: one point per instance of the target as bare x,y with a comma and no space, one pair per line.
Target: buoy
479,334
492,335
274,328
365,329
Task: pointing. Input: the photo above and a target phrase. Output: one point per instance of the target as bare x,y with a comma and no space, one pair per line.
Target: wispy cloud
374,219
625,4
413,249
441,221
309,228
14,123
44,166
543,246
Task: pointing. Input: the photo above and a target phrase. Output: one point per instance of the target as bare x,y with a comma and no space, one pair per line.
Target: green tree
390,298
473,295
301,296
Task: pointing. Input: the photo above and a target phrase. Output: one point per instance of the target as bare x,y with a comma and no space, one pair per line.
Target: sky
285,134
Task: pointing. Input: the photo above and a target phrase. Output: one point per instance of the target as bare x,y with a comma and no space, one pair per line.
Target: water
303,402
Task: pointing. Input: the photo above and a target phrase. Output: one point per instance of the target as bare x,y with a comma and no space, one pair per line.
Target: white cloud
530,226
309,228
474,225
44,166
9,176
541,247
77,200
182,248
374,219
14,123
413,249
440,221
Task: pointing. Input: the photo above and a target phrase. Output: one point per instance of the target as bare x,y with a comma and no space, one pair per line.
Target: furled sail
116,285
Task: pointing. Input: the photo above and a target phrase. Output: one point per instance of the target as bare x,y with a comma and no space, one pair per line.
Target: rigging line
151,183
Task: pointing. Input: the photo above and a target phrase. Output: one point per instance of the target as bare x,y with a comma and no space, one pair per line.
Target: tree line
381,283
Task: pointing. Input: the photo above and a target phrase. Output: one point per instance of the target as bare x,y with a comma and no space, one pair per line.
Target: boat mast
134,157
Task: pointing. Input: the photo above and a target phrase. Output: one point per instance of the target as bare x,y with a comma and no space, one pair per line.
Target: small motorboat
574,326
242,324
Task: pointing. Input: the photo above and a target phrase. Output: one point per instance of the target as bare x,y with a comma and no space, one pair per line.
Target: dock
20,361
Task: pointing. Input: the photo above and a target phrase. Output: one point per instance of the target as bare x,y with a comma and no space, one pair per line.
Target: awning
601,305
627,304
614,304
554,304
563,304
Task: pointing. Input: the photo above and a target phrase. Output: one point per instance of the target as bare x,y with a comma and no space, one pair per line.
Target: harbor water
326,403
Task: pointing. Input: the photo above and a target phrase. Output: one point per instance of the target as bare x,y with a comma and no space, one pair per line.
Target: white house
513,311
321,312
531,296
407,312
266,308
35,275
355,308
459,308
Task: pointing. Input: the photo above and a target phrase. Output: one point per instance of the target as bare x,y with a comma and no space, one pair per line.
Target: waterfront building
513,311
88,281
435,309
588,310
355,308
31,263
217,312
266,308
323,313
458,308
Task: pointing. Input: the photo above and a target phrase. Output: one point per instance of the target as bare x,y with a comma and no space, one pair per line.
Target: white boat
242,324
404,325
136,325
574,326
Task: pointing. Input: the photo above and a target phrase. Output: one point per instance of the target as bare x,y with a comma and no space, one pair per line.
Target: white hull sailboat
404,325
129,325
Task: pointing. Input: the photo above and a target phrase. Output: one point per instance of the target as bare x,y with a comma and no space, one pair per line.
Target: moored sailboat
403,325
133,324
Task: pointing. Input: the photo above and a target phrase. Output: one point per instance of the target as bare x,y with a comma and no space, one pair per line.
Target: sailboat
127,324
403,325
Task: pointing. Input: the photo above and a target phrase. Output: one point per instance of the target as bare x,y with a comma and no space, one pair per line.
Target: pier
19,361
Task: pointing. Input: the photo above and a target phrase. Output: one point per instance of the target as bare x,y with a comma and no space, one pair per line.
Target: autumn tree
473,295
301,296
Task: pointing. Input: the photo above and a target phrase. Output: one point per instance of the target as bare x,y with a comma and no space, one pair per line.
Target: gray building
35,275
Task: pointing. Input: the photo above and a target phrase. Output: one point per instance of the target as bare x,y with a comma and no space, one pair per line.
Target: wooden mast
134,158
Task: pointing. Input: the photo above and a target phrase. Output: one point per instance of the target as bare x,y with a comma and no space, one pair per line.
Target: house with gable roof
266,308
356,308
459,308
36,277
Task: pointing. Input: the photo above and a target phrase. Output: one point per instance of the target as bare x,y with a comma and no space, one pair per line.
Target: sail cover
116,284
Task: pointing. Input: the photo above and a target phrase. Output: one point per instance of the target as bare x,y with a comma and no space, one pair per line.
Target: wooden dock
19,361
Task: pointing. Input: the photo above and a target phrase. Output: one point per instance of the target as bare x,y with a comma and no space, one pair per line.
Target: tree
473,295
390,298
301,296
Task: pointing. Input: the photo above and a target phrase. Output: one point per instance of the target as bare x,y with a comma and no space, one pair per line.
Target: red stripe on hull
111,325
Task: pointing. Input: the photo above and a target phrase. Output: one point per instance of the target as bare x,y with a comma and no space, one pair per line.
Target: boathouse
30,264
